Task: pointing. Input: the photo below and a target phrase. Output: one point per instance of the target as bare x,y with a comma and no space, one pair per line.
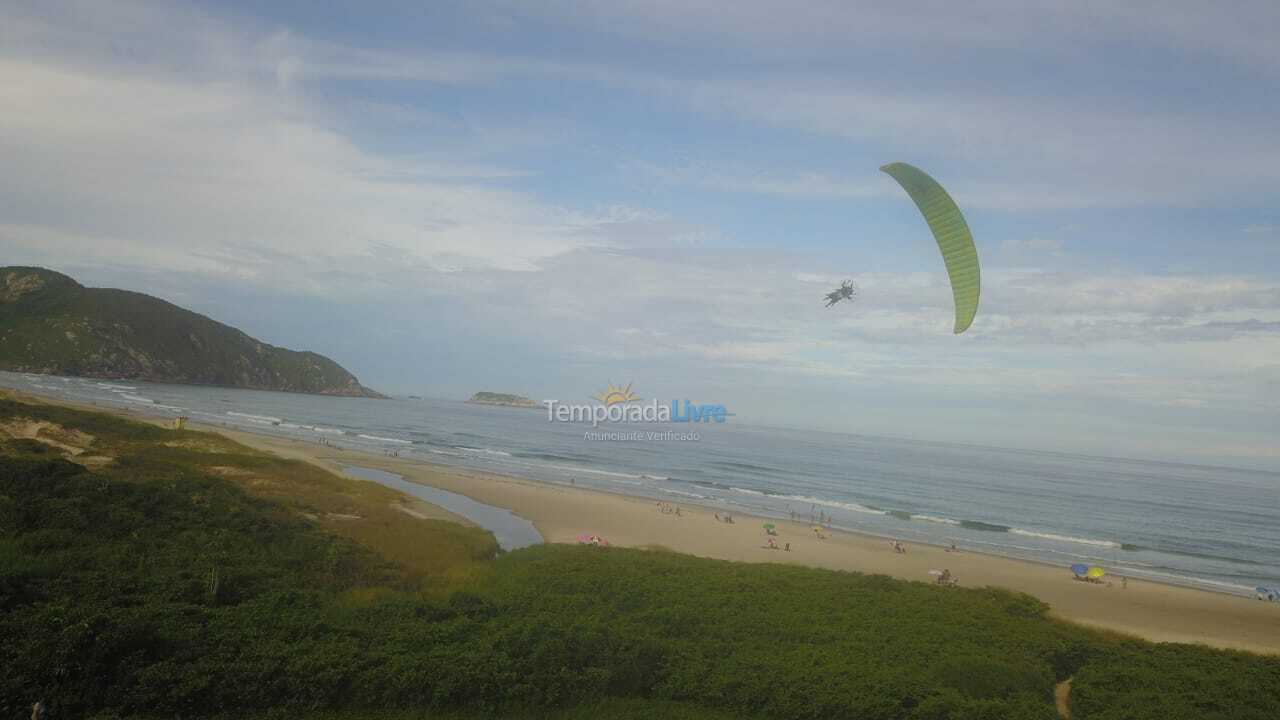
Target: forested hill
49,323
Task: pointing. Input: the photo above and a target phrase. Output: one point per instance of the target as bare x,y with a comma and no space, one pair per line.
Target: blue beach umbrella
1080,569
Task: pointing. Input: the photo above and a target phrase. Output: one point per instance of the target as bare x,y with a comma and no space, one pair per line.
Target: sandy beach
1163,613
1154,611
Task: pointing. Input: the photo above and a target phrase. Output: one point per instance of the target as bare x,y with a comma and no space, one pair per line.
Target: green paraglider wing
952,234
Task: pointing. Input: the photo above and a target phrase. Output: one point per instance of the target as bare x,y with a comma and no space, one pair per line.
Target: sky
543,198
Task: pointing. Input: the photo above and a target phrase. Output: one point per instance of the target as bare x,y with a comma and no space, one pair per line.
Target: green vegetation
49,323
190,576
493,398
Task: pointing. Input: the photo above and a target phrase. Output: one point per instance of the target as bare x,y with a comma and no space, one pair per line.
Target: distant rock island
492,398
51,324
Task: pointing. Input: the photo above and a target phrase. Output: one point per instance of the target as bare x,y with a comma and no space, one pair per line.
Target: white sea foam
593,471
686,494
328,430
109,386
256,418
137,399
745,491
1064,538
853,507
935,519
483,451
376,438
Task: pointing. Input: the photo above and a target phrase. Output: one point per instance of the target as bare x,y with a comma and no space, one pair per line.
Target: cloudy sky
544,197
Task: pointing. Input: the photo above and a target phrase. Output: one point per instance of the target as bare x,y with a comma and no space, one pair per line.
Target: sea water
1211,527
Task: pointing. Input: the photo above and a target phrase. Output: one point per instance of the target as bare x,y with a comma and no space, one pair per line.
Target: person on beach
788,547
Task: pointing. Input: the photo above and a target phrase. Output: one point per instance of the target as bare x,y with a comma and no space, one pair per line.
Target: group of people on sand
726,518
773,545
898,547
668,509
946,578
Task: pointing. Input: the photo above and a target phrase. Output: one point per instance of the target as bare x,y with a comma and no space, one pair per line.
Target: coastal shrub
164,585
1140,681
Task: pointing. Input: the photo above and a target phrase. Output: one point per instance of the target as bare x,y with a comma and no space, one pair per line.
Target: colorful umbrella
1079,569
1095,573
768,526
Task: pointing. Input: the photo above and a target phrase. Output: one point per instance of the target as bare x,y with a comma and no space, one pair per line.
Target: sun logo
614,395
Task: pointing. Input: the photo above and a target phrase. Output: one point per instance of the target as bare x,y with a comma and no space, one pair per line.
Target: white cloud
202,154
216,172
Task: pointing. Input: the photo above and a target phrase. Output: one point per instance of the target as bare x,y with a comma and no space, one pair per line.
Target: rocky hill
493,398
51,324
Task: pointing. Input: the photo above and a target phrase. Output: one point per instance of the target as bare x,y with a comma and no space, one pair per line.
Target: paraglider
846,291
952,234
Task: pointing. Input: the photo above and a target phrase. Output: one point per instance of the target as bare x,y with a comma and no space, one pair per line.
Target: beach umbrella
1096,573
1079,569
936,573
768,526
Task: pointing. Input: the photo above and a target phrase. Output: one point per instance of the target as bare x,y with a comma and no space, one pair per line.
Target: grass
194,577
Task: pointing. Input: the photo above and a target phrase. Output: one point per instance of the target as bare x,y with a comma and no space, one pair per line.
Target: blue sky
544,197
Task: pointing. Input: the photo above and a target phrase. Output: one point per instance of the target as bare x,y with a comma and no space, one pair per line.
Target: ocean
1214,528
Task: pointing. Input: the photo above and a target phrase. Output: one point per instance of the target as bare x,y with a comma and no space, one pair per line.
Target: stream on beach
511,530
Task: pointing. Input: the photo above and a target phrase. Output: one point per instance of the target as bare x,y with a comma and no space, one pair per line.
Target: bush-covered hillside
51,324
184,575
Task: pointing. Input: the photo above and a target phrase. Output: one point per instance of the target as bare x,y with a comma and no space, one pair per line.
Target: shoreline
1149,609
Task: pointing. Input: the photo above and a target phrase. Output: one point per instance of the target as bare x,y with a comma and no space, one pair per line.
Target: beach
1154,611
1150,610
